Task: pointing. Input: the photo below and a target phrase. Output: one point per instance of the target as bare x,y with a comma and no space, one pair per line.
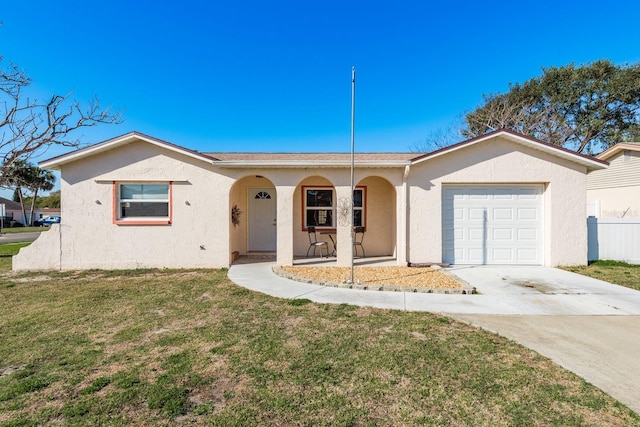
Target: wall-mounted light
98,202
202,247
186,202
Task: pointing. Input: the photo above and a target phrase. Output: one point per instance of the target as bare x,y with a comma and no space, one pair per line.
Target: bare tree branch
29,126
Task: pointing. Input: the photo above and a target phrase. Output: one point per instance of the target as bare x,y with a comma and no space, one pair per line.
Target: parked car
46,222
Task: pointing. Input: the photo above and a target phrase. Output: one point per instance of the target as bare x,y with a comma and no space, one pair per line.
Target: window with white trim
320,205
143,202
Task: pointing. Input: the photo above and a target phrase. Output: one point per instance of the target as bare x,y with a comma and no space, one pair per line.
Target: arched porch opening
253,217
377,213
314,204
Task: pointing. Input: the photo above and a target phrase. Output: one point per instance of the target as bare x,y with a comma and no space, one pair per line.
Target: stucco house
615,192
136,201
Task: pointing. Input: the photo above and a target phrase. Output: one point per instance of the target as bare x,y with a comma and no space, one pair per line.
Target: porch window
358,207
319,206
143,203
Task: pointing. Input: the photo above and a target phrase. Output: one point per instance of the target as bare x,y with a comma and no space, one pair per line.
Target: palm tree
41,179
24,175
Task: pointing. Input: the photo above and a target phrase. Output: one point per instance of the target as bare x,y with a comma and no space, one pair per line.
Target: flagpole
353,113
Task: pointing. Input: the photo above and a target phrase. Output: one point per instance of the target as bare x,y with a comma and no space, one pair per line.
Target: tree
25,176
29,126
51,200
40,179
584,108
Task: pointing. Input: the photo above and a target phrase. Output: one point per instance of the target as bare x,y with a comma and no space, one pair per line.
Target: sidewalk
499,293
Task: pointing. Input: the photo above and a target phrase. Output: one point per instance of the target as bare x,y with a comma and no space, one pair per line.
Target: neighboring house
136,201
13,210
615,192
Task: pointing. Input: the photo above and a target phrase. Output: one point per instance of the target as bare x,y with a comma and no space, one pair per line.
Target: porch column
343,228
402,213
284,235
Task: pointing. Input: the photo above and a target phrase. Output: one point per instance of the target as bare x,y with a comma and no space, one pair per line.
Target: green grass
616,272
7,250
16,230
159,347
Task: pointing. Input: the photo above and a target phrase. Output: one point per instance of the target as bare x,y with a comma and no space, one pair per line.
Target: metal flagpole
353,113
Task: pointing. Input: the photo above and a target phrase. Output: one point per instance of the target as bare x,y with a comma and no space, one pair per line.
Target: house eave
308,164
56,162
617,148
589,162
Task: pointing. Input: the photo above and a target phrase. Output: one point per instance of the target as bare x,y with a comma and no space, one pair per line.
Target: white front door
492,224
262,219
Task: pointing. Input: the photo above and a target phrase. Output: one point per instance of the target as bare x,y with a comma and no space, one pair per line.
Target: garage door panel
477,214
475,256
503,255
530,234
499,224
528,254
528,214
502,234
502,214
476,234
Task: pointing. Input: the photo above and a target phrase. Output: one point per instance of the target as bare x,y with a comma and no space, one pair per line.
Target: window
148,203
320,205
358,207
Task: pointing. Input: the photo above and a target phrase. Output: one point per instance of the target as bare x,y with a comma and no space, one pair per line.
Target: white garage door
497,224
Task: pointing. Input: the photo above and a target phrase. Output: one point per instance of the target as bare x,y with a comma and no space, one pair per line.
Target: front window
320,207
143,203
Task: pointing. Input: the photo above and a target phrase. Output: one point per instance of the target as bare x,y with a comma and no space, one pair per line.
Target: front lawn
616,272
15,230
7,250
156,347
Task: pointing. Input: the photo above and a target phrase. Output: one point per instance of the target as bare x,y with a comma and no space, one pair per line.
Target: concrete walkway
586,325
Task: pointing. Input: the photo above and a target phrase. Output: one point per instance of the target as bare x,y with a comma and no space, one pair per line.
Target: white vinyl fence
614,239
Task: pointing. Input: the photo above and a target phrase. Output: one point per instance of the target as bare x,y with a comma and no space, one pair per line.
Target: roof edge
55,162
616,148
591,163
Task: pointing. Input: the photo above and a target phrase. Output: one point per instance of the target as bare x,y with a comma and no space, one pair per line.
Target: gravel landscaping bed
396,278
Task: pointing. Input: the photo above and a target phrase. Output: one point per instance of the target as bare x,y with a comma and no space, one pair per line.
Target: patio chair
357,240
314,243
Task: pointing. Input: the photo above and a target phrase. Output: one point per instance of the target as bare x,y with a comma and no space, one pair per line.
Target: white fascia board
554,151
308,164
56,162
615,149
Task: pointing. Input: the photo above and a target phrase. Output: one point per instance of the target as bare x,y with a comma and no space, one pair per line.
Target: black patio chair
357,240
315,243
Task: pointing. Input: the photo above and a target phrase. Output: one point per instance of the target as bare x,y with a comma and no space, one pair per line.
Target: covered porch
319,201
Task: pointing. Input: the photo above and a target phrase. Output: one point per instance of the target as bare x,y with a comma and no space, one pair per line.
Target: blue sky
276,76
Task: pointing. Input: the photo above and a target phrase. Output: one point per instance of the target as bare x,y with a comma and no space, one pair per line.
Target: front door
262,220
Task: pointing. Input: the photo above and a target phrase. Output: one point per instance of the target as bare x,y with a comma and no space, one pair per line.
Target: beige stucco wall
198,236
493,162
42,254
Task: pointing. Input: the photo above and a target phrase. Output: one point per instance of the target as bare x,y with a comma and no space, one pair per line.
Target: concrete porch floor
331,261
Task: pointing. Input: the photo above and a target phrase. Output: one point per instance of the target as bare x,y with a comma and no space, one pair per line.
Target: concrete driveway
586,325
542,291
